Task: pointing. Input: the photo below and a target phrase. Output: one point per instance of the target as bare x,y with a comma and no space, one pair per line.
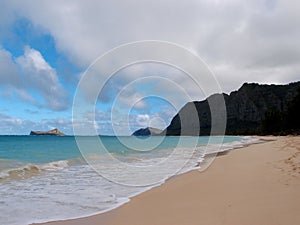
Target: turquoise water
44,149
46,178
38,149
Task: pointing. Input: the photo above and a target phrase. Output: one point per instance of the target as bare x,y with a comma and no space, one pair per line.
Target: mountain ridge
246,109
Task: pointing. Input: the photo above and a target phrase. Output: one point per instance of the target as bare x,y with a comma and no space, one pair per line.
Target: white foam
67,191
29,169
54,166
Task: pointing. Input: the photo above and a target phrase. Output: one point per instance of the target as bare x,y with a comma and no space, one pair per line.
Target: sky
46,47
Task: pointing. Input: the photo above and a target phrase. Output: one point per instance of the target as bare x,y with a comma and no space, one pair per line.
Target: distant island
254,109
54,132
147,132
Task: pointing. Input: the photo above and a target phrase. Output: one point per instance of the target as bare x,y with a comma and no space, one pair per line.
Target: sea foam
65,189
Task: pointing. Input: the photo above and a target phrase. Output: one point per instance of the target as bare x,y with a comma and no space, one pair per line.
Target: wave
30,170
62,189
244,141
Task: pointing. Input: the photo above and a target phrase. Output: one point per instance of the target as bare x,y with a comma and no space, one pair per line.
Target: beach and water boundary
258,184
57,180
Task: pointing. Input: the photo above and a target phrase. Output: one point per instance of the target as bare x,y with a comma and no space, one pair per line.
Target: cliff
54,132
147,132
246,110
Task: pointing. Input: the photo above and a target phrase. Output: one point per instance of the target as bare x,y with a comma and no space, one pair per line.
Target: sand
258,184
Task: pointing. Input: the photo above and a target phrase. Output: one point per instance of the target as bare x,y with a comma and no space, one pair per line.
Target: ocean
47,178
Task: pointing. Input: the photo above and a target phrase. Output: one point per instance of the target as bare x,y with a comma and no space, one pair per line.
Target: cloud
143,120
242,41
131,98
7,120
245,35
14,125
41,76
124,125
157,122
130,86
9,74
30,72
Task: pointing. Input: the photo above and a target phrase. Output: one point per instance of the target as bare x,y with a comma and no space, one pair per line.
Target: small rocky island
148,131
54,132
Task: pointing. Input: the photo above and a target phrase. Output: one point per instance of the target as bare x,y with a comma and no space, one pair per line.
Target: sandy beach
258,184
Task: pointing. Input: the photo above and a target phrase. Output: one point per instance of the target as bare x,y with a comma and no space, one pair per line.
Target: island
54,132
148,131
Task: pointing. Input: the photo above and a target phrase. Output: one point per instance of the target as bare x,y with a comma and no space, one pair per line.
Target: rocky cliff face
245,108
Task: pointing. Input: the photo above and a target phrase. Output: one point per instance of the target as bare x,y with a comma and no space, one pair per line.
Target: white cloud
157,122
30,72
84,31
143,120
41,76
253,41
9,74
7,120
130,98
247,35
16,125
131,86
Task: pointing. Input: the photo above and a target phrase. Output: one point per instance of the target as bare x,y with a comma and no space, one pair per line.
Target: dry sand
258,184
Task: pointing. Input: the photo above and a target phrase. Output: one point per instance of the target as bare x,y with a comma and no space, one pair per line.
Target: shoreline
247,140
178,198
